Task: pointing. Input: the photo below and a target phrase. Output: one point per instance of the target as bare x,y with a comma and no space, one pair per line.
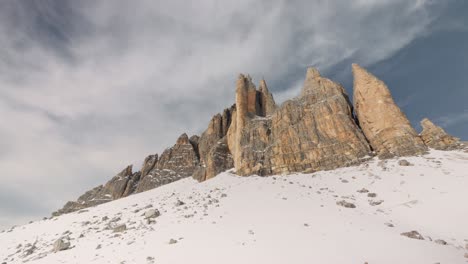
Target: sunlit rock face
314,131
385,126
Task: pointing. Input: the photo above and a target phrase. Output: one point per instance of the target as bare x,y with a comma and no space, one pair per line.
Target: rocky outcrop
385,126
314,131
175,163
435,137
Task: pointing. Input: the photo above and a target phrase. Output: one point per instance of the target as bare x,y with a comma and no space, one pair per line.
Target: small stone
363,190
440,242
374,203
389,224
99,246
179,203
413,234
345,204
372,195
172,241
120,228
404,163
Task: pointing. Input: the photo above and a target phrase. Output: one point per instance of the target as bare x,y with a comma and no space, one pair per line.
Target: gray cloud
89,86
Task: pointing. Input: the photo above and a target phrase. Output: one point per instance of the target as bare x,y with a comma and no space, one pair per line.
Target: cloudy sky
88,87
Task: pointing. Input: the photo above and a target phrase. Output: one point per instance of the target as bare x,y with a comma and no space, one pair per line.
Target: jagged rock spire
435,137
148,164
312,81
386,127
268,105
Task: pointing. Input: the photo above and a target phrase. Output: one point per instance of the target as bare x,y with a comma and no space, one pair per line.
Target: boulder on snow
152,213
61,244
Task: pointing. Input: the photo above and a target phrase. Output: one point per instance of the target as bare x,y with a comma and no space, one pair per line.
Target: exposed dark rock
413,234
345,204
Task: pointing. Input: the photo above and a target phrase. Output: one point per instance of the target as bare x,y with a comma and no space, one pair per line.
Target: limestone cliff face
212,147
315,131
383,123
435,137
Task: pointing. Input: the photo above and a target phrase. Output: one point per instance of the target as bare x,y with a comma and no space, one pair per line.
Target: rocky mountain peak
183,139
312,73
319,130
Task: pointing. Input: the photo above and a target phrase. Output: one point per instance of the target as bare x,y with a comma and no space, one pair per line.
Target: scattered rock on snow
363,190
172,241
372,195
30,249
345,204
413,234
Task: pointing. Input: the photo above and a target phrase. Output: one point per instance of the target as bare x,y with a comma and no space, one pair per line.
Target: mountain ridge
318,130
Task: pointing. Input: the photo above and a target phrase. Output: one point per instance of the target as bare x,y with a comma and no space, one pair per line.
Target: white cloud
122,79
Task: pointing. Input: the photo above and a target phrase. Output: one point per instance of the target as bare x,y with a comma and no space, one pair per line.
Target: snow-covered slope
279,219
